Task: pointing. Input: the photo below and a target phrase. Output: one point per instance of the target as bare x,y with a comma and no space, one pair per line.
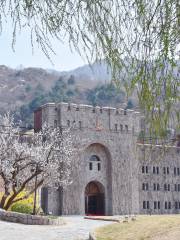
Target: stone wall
159,163
28,219
110,134
89,117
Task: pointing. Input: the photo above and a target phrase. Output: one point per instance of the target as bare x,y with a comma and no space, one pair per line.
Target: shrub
22,208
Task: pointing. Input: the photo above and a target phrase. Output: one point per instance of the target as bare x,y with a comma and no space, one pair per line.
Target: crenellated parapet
89,117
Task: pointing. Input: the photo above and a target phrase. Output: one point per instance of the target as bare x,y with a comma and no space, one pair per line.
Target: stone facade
110,158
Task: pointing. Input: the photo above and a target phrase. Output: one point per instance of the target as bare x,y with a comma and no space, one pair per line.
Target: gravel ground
77,228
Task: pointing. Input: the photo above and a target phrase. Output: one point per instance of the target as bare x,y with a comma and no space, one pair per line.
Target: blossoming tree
44,157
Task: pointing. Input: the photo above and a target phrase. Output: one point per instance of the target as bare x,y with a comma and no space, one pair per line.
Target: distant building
113,174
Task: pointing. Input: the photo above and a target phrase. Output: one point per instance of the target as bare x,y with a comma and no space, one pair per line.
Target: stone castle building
114,173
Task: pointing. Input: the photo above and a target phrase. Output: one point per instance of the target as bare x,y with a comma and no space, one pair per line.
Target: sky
63,61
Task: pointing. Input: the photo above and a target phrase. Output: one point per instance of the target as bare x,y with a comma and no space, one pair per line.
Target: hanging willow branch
139,39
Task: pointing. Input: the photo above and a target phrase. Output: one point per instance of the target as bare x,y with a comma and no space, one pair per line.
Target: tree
139,39
45,157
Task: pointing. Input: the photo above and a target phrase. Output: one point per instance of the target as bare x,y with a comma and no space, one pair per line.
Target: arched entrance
94,199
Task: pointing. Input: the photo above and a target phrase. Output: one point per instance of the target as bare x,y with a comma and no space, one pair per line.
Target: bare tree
45,157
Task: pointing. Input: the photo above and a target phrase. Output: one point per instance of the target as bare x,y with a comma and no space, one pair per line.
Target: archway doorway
94,199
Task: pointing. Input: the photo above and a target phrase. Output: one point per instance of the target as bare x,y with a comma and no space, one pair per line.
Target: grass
157,227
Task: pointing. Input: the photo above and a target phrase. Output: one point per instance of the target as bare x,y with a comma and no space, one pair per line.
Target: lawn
157,227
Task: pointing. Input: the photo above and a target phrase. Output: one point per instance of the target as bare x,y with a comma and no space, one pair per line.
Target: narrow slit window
126,127
80,125
90,166
55,123
68,123
99,166
121,127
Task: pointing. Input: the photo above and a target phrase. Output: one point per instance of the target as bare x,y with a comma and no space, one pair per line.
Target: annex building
113,173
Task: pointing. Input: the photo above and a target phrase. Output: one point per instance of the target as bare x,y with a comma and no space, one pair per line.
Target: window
156,187
144,169
175,187
169,205
168,187
145,204
145,186
176,205
178,187
125,113
55,123
178,172
174,171
126,127
68,123
155,205
77,109
165,187
159,205
156,170
99,166
80,124
165,205
116,127
90,166
121,127
167,170
94,158
164,170
101,110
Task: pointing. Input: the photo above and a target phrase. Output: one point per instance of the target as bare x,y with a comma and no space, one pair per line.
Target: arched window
94,158
92,161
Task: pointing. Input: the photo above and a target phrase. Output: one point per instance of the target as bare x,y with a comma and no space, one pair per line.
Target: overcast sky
64,60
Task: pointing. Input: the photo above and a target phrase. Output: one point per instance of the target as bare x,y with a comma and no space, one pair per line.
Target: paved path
77,228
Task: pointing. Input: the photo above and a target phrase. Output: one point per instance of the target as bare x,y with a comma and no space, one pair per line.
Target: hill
23,90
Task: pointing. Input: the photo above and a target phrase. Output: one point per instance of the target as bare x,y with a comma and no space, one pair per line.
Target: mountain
23,90
96,72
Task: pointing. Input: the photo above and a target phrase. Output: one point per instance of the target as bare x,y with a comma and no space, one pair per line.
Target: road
77,228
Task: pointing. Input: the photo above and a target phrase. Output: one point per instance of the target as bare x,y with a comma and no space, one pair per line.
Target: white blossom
46,155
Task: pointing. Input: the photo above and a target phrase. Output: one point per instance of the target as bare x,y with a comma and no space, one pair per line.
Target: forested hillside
24,90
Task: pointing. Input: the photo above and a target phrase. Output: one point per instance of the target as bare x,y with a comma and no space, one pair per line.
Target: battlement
88,116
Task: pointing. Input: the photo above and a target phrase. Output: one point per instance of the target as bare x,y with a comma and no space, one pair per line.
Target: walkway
77,228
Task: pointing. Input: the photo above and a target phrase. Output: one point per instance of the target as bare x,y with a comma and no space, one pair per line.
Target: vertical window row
176,171
145,204
166,187
155,170
156,187
145,186
167,205
157,205
144,169
166,170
